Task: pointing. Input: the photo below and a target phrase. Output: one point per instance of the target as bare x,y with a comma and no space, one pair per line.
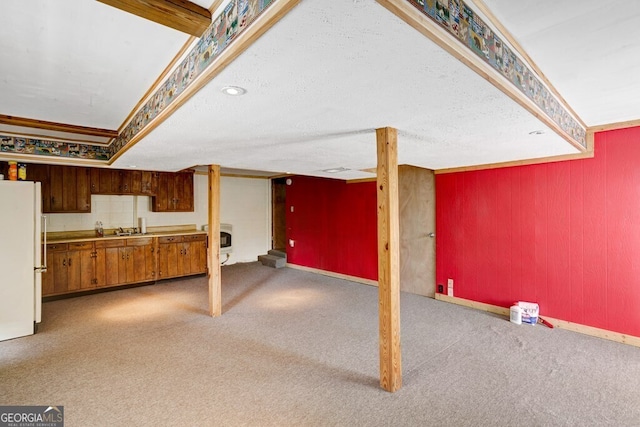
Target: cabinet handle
122,256
64,262
127,257
69,262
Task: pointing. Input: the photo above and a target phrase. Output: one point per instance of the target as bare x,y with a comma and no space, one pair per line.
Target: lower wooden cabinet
78,266
182,255
71,267
129,260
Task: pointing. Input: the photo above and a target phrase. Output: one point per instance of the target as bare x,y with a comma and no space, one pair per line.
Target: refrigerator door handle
43,268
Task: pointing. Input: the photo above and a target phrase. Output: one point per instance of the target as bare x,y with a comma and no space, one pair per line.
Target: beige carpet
299,349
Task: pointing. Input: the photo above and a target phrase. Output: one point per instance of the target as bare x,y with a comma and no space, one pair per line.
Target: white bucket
515,315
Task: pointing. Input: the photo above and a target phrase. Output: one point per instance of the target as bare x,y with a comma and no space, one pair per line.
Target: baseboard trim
334,275
557,323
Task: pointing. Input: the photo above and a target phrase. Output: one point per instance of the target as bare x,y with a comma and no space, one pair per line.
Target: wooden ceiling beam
181,15
59,127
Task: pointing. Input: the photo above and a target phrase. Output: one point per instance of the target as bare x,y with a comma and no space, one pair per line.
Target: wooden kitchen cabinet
174,192
182,255
144,183
67,189
129,260
71,267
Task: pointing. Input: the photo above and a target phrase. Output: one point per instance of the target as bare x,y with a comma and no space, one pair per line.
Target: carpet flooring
299,349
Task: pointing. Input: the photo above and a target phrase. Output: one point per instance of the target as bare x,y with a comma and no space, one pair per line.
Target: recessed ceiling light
536,132
233,90
133,166
335,170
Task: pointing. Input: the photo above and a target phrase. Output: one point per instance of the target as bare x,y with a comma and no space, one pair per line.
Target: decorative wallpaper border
43,147
236,16
462,22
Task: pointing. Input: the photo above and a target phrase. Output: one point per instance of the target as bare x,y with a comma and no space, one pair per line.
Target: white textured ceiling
78,62
319,83
588,49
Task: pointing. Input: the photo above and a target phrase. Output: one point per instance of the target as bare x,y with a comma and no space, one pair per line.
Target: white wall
245,203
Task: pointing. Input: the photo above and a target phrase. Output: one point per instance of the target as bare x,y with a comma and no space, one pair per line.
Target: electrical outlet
292,242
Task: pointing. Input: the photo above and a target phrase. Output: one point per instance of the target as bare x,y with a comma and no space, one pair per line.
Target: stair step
278,253
272,261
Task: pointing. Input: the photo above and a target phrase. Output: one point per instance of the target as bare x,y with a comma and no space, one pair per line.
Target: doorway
278,214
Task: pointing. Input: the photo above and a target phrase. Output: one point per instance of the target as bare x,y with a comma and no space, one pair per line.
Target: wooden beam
389,260
58,127
181,15
614,126
215,280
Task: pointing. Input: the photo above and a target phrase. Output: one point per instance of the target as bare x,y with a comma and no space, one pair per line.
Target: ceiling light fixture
233,90
335,170
536,132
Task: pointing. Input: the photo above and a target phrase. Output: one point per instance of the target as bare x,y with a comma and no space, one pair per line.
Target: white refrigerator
21,260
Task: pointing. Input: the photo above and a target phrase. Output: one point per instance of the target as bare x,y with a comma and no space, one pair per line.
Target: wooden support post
215,282
388,260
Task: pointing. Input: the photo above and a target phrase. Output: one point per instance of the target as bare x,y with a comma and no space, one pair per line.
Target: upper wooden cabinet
69,188
117,181
66,190
174,192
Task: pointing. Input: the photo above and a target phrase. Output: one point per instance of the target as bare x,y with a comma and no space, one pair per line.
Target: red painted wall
565,235
333,225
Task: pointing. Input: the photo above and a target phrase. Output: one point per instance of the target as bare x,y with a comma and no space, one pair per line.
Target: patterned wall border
464,24
43,147
236,17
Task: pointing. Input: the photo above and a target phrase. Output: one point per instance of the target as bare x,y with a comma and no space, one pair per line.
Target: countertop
89,235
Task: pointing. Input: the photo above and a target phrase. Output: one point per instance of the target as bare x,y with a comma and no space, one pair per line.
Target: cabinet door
100,275
196,254
160,203
121,182
59,265
143,263
112,261
170,254
148,183
183,192
68,190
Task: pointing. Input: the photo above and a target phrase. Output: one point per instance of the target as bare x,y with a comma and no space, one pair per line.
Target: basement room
314,213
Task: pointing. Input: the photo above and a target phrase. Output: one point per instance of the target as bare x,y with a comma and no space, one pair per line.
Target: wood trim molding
614,126
241,43
215,5
58,127
482,7
557,323
181,15
52,160
333,274
157,82
412,16
388,259
565,157
358,180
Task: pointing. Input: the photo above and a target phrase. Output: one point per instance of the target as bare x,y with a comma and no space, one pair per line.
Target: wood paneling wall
565,235
333,225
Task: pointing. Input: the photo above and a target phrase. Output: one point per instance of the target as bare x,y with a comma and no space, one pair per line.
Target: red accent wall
333,225
565,235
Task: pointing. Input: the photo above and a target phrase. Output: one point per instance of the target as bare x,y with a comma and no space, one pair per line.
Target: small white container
515,314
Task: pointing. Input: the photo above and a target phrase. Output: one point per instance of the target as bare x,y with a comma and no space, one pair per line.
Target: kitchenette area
109,228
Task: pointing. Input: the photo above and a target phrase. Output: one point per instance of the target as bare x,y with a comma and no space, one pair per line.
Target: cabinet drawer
169,239
80,245
110,243
142,241
54,247
195,238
